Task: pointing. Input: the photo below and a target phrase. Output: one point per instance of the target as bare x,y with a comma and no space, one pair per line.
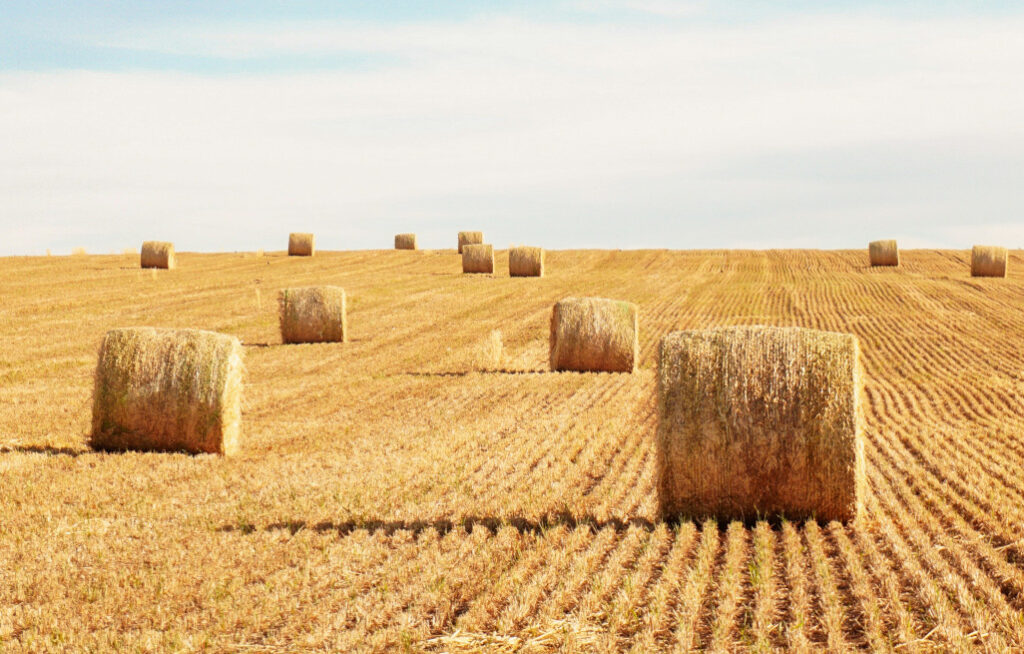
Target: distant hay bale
470,238
478,259
158,254
525,261
405,242
300,245
167,390
78,252
594,334
988,261
490,352
313,314
760,421
884,253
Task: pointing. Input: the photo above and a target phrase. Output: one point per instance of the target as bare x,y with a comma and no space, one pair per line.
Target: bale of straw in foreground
988,261
167,390
478,259
760,421
470,238
405,242
313,314
525,261
300,245
157,254
594,334
884,253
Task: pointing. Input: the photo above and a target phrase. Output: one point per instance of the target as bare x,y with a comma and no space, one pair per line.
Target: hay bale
300,245
470,238
594,334
988,261
525,261
405,242
478,259
167,390
884,253
157,254
760,421
313,314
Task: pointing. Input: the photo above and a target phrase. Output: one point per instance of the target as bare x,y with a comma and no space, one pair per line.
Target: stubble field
406,491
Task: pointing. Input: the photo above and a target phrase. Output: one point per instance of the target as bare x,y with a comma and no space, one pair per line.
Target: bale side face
314,314
526,262
405,242
470,238
988,261
478,259
300,245
168,390
760,421
594,335
884,253
157,254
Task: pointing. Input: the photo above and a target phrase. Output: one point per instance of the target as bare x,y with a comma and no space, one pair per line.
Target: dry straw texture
314,314
405,242
478,259
594,334
884,253
300,245
525,261
167,390
157,254
470,238
760,421
988,261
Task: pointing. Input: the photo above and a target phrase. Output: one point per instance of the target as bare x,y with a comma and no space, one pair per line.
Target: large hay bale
157,254
313,314
478,259
760,421
470,238
525,261
405,242
594,334
167,390
884,253
988,261
300,245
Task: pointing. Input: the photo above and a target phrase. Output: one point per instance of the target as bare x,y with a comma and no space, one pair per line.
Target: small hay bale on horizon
526,261
157,254
405,242
301,244
313,314
470,238
594,335
988,261
478,258
884,253
760,421
168,390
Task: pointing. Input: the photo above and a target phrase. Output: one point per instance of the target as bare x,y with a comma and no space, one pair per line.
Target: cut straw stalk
157,254
884,253
594,334
525,261
470,238
478,259
313,314
301,245
988,261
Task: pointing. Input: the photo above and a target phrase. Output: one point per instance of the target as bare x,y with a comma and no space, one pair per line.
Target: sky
223,126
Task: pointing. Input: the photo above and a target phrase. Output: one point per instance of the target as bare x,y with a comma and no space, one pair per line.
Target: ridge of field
392,496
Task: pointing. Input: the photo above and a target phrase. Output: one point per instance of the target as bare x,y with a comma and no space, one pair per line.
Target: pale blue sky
612,123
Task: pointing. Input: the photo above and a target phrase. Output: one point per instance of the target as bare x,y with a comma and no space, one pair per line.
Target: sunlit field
416,489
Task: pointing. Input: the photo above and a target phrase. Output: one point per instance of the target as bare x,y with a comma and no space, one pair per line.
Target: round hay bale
884,253
470,238
525,261
300,245
405,242
594,335
168,390
988,261
478,259
157,254
313,314
760,421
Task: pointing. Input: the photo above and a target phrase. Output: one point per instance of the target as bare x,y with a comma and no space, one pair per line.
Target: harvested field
384,501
